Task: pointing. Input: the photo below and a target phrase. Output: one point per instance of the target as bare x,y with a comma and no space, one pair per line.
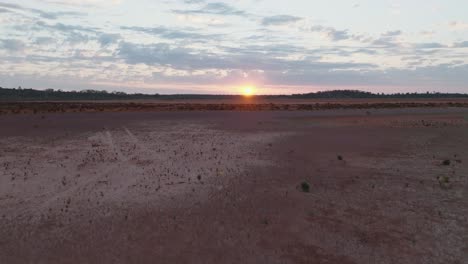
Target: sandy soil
386,186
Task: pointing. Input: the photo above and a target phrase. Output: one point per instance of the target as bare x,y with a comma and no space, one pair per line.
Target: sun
248,91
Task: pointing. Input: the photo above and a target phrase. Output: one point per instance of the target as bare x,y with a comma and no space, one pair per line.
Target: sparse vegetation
113,174
343,94
28,94
444,182
305,187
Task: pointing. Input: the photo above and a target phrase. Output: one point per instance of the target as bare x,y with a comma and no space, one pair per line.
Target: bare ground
241,104
386,186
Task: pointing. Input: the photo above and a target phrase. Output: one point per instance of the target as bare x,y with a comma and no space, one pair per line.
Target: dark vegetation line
8,94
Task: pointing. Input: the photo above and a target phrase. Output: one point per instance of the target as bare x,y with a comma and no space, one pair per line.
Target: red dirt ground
243,104
124,187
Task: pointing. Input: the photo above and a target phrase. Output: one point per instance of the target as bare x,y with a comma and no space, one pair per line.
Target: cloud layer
208,46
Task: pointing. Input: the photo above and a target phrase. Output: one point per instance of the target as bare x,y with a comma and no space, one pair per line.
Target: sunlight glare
248,91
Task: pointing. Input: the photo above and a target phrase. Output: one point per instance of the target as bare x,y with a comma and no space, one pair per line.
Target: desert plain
358,184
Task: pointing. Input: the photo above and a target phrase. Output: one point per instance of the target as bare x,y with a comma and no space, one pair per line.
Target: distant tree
51,94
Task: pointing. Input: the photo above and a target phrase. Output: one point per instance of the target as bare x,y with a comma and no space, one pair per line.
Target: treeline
7,94
344,94
50,94
21,94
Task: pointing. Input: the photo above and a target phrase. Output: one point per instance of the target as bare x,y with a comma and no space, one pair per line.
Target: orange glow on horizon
248,91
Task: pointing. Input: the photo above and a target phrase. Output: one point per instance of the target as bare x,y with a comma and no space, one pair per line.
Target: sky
204,46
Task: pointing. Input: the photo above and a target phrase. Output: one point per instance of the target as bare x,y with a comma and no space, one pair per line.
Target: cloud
106,39
399,79
73,34
65,28
279,20
463,44
13,45
200,19
388,39
169,33
428,33
41,13
392,33
194,1
431,45
75,38
76,34
332,33
247,58
88,3
216,8
44,41
167,55
458,25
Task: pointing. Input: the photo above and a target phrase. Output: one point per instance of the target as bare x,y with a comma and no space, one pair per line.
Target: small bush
446,163
305,187
340,157
444,182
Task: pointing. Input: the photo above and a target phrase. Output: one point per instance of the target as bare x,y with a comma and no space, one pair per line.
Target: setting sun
248,91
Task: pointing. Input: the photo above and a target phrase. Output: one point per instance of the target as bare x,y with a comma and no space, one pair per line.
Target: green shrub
305,187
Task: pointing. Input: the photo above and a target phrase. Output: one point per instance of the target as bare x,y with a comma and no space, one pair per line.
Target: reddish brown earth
386,186
242,104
